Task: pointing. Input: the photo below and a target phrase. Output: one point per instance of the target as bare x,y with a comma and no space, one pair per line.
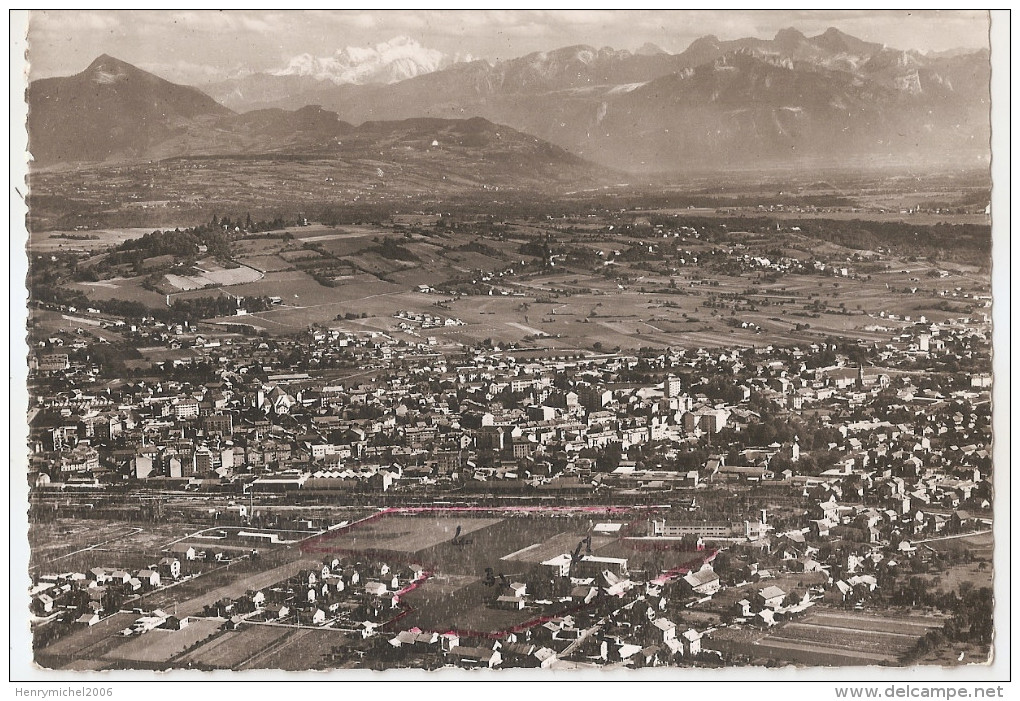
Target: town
568,450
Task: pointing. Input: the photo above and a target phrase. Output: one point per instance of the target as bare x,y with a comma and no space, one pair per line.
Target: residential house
148,577
772,596
704,581
666,628
170,567
184,550
692,642
476,656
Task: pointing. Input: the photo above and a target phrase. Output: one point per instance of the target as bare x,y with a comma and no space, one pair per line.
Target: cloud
217,21
62,22
363,21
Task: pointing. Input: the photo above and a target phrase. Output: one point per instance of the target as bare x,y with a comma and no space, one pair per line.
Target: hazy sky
201,46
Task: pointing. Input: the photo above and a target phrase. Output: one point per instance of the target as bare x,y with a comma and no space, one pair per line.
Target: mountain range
717,105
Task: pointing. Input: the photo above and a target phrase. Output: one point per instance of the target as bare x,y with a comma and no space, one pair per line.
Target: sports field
406,534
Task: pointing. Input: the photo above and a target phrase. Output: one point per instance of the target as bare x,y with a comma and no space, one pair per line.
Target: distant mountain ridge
718,104
115,113
830,95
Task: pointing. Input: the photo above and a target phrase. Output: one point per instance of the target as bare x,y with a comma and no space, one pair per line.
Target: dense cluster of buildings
265,412
861,453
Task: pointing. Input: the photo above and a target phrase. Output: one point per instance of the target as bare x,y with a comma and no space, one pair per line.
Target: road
569,649
951,537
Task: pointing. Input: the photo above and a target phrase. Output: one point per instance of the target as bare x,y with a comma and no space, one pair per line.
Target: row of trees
217,224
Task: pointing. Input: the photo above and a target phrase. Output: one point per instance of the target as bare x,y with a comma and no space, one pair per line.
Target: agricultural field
315,233
267,263
870,639
124,289
884,646
291,285
87,642
233,648
598,291
975,574
90,240
848,214
299,649
157,647
78,545
898,624
463,609
981,545
305,301
828,637
427,538
102,646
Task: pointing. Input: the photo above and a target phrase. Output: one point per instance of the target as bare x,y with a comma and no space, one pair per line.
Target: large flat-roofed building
186,408
222,424
52,362
705,529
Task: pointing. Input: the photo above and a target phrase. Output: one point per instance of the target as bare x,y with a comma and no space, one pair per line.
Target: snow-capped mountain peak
390,61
